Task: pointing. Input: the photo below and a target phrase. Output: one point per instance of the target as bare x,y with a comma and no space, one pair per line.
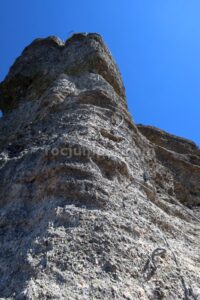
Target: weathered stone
182,159
78,218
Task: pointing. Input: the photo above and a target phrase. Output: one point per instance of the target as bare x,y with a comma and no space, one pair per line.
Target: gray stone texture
86,196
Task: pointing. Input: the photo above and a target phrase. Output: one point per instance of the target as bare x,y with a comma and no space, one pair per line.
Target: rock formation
92,206
182,159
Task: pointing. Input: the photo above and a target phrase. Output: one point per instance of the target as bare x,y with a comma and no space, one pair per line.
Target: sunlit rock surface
86,196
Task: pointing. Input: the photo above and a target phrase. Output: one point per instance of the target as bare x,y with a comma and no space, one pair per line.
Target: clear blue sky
156,44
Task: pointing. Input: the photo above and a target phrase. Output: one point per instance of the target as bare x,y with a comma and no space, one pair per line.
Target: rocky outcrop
89,206
182,159
45,59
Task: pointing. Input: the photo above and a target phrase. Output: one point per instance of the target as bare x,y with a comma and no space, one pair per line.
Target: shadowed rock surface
182,159
92,206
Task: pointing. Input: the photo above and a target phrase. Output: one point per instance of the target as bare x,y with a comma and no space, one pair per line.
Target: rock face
182,159
92,206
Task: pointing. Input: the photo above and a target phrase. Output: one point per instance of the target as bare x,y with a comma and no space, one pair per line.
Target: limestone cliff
91,205
182,159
